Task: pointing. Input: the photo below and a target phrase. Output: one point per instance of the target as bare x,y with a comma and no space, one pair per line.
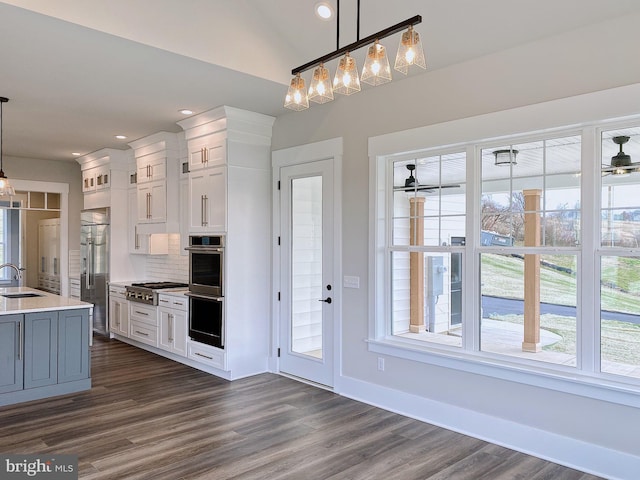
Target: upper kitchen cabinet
229,160
158,183
102,171
109,170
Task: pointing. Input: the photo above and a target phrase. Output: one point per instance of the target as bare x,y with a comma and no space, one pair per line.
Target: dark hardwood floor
147,417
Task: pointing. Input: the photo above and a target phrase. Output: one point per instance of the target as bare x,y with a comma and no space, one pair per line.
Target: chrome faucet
15,267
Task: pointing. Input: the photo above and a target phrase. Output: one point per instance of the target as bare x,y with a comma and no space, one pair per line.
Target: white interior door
307,271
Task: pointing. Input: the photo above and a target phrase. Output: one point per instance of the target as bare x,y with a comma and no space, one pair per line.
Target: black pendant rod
358,44
2,100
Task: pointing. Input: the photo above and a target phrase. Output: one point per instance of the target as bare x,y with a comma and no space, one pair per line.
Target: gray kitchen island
44,345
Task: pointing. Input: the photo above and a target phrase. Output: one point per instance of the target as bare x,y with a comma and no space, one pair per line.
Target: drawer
143,313
173,301
205,354
115,290
143,333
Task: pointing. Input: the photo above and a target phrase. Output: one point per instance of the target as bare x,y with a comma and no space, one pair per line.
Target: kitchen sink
21,295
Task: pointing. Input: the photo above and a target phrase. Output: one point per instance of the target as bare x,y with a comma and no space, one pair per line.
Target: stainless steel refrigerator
94,264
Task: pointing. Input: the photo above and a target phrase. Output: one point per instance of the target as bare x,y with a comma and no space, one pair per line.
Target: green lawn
503,276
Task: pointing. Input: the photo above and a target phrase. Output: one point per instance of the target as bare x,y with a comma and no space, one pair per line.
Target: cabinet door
208,200
73,345
173,331
208,151
118,315
151,169
165,341
180,332
40,349
89,180
11,353
152,202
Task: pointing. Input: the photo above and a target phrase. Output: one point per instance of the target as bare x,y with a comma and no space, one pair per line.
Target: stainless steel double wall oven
206,289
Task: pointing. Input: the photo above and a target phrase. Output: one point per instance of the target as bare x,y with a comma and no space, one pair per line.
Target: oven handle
204,297
200,249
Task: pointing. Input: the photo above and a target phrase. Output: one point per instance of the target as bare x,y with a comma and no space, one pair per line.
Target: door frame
324,150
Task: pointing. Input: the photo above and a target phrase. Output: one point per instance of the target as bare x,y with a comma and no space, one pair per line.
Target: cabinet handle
205,222
136,238
202,155
148,205
20,342
142,333
202,210
171,327
163,301
141,313
206,155
55,266
203,356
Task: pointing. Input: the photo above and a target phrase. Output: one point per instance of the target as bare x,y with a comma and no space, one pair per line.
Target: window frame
585,379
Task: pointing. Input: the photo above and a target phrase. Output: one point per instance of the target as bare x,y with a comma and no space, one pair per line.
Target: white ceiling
78,72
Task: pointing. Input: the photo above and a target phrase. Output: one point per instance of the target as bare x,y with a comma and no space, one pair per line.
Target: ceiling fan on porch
621,162
411,184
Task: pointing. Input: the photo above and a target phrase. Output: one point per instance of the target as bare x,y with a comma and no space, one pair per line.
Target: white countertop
43,303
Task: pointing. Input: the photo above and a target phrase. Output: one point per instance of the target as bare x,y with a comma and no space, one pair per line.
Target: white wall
582,61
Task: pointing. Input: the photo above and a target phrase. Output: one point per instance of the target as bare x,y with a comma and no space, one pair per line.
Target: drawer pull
141,313
142,333
204,356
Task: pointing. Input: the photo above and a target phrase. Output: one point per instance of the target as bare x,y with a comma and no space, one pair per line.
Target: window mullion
471,310
588,346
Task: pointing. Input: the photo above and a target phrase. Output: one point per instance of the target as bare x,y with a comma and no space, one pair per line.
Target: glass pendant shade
5,187
376,70
320,90
297,98
409,52
346,80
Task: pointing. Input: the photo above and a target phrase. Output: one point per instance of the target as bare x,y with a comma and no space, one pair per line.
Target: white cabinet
143,243
157,173
151,167
118,311
230,193
172,311
49,255
208,151
152,202
208,200
211,356
143,323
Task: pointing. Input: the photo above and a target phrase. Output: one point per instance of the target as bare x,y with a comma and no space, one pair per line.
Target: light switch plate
351,282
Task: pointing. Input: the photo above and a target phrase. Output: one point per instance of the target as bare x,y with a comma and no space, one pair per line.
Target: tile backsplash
173,267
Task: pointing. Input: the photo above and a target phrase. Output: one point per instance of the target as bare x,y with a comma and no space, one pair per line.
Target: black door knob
326,300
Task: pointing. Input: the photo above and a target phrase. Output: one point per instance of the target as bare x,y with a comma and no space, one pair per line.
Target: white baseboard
570,452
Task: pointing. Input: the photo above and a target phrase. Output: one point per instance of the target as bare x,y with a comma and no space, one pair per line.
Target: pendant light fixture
410,51
346,80
297,98
5,187
376,70
320,90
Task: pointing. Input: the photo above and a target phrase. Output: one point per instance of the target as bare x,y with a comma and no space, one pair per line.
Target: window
498,252
618,253
429,218
530,208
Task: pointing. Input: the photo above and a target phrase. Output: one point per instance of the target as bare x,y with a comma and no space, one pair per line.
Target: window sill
562,379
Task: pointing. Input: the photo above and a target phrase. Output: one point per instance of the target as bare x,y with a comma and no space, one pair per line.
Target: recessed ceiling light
324,10
186,111
76,154
121,137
